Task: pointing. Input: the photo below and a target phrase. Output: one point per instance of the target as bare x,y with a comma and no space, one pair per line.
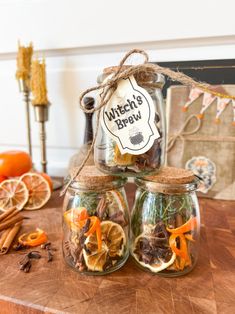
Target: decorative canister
95,223
165,222
131,135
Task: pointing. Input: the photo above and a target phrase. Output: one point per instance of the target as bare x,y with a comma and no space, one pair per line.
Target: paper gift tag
129,118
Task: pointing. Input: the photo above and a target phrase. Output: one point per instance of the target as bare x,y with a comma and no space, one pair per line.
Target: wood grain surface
56,288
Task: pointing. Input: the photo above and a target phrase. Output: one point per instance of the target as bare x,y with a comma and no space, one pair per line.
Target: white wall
79,38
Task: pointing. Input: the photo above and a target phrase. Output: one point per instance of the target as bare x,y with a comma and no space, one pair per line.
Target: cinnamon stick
3,237
10,222
10,238
14,213
7,213
179,220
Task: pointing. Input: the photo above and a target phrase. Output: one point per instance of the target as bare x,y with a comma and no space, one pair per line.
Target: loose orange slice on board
39,190
48,179
13,193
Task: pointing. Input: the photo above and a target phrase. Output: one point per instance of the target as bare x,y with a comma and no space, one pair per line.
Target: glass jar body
165,231
107,155
95,229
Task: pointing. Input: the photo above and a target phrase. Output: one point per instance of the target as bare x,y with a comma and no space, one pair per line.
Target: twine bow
109,86
182,133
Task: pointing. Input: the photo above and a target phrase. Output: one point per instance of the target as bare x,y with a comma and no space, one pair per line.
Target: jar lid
170,180
172,175
90,174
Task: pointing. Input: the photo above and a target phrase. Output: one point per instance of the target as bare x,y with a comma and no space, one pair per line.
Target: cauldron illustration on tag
136,137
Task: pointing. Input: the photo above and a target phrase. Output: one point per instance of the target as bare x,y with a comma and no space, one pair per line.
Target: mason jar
165,223
95,223
107,155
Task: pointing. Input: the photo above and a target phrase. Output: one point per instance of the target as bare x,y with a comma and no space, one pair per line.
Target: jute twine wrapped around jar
144,79
122,72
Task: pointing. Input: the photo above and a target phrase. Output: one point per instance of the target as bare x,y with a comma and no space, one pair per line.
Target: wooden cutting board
56,288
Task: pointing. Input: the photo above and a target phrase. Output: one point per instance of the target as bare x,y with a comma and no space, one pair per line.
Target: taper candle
38,83
24,57
23,73
40,103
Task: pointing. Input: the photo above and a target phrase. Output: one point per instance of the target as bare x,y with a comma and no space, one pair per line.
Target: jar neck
148,80
98,186
164,188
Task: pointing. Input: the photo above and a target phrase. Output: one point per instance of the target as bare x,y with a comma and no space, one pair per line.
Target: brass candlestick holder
26,92
41,113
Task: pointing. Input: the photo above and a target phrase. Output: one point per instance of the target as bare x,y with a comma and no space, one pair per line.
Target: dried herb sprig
153,207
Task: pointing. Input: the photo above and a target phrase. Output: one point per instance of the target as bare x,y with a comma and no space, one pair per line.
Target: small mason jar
165,222
95,223
107,155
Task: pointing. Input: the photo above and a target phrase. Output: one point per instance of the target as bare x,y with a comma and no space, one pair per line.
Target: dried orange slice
74,216
48,179
116,201
122,160
13,193
113,246
159,263
39,190
33,238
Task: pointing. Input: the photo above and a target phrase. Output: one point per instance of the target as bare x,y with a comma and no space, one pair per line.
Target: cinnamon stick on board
14,213
7,213
10,238
4,236
10,222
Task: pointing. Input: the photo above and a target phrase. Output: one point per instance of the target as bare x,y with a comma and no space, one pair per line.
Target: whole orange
2,178
47,178
14,163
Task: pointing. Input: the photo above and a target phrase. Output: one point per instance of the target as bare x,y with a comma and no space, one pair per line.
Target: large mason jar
107,155
165,223
95,223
